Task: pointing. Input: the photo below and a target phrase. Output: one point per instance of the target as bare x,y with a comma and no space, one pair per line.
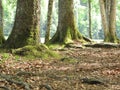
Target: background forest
70,58
80,11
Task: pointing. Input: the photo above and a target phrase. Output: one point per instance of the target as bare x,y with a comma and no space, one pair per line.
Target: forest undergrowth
77,69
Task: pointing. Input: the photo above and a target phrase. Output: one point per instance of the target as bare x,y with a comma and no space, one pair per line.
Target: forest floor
77,69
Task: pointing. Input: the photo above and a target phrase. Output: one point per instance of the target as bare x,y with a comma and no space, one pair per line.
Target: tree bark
49,18
2,40
112,27
104,19
90,28
108,15
67,31
26,26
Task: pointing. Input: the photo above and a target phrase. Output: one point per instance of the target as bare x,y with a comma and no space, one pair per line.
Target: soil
77,69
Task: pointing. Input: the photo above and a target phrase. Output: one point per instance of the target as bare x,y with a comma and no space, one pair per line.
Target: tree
108,15
49,18
26,25
90,32
67,31
2,40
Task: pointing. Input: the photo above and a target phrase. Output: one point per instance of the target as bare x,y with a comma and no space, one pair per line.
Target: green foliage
118,19
81,14
9,8
17,58
69,60
43,17
5,56
56,46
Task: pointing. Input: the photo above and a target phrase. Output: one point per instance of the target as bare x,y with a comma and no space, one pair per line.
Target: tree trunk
66,30
104,19
90,28
49,18
26,25
112,27
108,15
2,40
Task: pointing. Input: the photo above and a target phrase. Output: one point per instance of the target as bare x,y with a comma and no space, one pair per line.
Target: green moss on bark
2,39
69,36
26,25
110,38
67,31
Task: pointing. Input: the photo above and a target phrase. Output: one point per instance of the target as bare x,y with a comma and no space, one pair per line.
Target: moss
112,39
68,36
38,51
33,36
69,60
26,33
56,46
2,39
28,37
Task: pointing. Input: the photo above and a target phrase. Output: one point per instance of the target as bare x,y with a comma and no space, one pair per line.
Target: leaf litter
67,73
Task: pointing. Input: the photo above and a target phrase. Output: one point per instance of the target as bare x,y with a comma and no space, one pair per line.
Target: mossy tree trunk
26,25
67,31
2,40
108,15
49,18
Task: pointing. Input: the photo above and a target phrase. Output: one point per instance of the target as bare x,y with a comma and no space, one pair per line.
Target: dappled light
59,45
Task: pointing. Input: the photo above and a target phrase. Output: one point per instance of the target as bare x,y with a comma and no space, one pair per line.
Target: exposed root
10,79
5,88
87,39
21,73
48,87
103,45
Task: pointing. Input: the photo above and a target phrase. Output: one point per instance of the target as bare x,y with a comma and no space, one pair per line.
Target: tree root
48,87
103,45
5,88
87,39
10,79
21,73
